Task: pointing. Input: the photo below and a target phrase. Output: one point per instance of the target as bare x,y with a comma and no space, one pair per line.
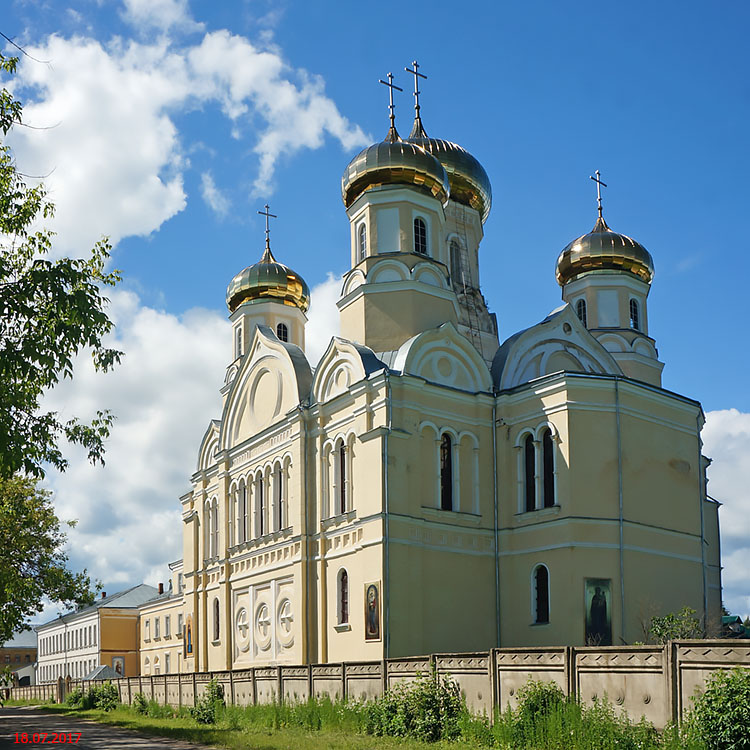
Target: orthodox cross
417,75
268,228
391,86
599,186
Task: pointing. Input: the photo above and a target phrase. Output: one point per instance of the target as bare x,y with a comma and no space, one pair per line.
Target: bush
105,697
721,714
209,703
140,704
428,709
675,626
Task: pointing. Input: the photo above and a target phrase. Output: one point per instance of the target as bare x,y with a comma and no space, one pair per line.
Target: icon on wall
598,614
372,611
187,636
118,664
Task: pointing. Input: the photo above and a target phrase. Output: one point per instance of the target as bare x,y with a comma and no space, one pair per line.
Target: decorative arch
428,273
388,270
343,364
209,446
353,279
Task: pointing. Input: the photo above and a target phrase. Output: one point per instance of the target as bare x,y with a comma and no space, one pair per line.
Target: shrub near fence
652,681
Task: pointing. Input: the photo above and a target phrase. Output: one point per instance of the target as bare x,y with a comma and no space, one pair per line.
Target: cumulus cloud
726,437
160,14
163,394
114,160
322,317
215,199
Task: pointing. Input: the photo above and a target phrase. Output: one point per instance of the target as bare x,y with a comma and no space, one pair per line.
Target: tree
50,311
676,626
33,564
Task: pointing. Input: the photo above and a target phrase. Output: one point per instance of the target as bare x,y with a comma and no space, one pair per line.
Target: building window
156,665
260,505
529,473
278,509
420,236
157,623
148,630
167,626
635,316
446,472
242,515
455,253
180,583
282,332
362,241
146,666
342,478
581,311
548,462
343,597
215,528
216,619
238,342
541,594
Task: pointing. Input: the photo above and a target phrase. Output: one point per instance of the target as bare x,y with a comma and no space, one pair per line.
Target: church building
424,487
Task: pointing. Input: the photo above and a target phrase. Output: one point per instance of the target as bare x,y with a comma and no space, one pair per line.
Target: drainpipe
620,504
703,528
386,566
495,512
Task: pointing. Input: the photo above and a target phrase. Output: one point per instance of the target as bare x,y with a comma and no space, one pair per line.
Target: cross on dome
417,130
599,186
392,133
268,216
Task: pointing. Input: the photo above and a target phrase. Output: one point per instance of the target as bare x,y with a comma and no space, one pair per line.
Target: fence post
495,698
344,692
670,668
255,687
309,681
231,687
195,697
572,671
280,685
384,677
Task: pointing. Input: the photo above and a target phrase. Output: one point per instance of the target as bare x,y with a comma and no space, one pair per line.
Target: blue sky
176,121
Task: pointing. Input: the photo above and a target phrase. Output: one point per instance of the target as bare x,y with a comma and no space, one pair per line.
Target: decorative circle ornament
242,629
263,626
285,623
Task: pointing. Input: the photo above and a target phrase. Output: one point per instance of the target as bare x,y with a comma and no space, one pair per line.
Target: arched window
343,597
260,505
362,241
232,516
446,472
541,594
238,342
242,514
420,236
156,665
216,620
342,478
581,311
146,666
529,471
215,528
548,463
455,253
282,332
278,490
635,315
207,530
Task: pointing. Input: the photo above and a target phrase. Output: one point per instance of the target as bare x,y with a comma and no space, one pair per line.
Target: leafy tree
32,563
722,713
49,312
676,626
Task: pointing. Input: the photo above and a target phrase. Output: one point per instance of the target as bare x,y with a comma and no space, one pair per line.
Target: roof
24,639
103,672
131,598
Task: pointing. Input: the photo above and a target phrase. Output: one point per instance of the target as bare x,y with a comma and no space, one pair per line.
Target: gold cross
417,75
391,86
268,228
599,186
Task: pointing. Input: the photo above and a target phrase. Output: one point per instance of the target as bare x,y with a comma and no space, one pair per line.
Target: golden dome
469,182
394,162
268,280
604,250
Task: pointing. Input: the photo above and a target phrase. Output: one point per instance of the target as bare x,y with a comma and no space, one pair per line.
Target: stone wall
652,681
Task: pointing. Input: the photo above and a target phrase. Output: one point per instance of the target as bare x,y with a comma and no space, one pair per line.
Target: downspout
386,559
495,513
304,514
703,528
620,504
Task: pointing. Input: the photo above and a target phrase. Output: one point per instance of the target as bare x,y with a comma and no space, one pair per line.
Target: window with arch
455,259
147,666
548,466
278,498
214,528
635,315
446,472
238,342
581,311
157,669
242,515
420,236
342,477
529,474
362,241
260,505
343,597
282,332
216,620
540,594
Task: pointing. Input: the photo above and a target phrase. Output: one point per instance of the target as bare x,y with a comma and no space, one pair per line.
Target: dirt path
31,721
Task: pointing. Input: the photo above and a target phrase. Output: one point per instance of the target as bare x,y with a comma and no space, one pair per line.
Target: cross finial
268,216
391,86
599,186
417,131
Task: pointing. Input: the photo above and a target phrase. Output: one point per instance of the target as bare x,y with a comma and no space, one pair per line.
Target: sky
167,124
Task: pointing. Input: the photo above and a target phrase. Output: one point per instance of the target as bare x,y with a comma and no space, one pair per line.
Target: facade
425,488
106,633
19,655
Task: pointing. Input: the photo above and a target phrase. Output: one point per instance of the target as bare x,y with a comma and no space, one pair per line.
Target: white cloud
726,438
114,157
216,200
160,14
163,394
322,317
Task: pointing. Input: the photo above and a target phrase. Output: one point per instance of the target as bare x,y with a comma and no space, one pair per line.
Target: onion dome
394,162
469,183
268,280
604,250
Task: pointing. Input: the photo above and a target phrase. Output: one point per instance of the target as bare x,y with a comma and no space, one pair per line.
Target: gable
443,355
560,342
343,364
272,379
209,446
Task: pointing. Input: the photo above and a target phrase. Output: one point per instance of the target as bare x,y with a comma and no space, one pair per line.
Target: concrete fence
652,681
